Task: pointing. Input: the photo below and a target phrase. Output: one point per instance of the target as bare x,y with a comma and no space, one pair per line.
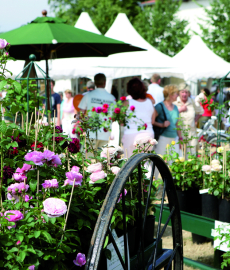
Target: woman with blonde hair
68,114
166,117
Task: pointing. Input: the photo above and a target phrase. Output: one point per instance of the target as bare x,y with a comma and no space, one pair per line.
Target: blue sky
15,13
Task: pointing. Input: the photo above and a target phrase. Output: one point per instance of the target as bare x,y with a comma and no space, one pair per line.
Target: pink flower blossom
50,184
17,188
36,157
94,167
20,177
73,130
13,215
25,168
18,242
99,109
80,260
123,98
32,267
27,198
105,110
54,207
13,198
115,169
132,108
145,125
75,169
153,142
143,140
106,106
3,43
113,151
120,198
97,176
117,110
73,175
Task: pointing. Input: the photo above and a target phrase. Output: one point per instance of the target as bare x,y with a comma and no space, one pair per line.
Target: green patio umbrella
50,38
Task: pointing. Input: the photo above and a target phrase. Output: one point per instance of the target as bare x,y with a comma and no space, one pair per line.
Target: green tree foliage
216,29
103,12
159,25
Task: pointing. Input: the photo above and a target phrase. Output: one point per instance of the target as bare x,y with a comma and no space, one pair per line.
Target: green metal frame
21,77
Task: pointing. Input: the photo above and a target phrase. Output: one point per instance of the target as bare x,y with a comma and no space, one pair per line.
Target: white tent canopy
197,61
84,22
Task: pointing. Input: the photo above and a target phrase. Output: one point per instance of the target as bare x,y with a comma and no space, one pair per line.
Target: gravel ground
203,253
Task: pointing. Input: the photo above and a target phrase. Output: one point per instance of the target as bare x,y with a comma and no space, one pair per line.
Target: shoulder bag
158,130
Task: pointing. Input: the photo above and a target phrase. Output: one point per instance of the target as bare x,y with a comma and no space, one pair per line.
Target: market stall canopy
197,61
84,22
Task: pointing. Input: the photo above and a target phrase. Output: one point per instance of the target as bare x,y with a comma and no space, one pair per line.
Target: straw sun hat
183,86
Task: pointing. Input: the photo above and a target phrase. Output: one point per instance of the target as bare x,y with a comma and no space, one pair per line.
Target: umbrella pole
48,91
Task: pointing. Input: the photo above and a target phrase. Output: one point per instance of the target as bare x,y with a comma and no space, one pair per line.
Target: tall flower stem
37,185
67,214
54,134
30,123
1,181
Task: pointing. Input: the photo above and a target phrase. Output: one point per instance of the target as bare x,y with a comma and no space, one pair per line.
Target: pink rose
50,184
115,170
99,110
143,140
54,207
13,215
120,198
132,108
3,43
153,142
113,151
97,176
117,110
94,167
18,242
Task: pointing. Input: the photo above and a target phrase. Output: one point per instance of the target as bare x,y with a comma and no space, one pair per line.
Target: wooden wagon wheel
102,228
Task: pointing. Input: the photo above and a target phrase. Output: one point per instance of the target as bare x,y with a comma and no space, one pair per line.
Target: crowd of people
170,111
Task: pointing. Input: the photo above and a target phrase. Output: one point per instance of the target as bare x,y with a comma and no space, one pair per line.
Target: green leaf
52,220
21,256
3,127
37,234
216,193
46,218
33,184
14,249
47,236
106,241
108,254
3,84
20,237
17,87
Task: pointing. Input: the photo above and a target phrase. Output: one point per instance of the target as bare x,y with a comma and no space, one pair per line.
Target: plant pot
182,199
149,230
210,206
193,201
224,210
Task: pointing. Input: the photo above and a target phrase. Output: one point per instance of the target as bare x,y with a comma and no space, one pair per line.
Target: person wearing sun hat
189,112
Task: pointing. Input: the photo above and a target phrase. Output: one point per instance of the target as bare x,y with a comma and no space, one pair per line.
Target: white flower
115,169
220,149
216,167
206,169
215,161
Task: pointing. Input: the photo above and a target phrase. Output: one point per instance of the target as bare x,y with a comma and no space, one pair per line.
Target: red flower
93,109
105,130
123,98
132,108
74,131
110,118
105,106
117,110
145,125
105,119
105,110
39,145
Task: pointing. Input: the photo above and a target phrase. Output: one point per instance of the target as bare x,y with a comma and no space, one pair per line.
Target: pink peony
117,110
50,184
54,207
120,198
36,157
97,176
80,260
99,109
115,170
20,177
17,188
132,108
3,43
15,215
94,167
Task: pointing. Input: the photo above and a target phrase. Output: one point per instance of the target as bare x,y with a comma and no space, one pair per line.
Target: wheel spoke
117,250
166,223
124,227
172,256
159,223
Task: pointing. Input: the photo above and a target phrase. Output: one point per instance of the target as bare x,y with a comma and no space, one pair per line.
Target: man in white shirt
155,89
97,98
